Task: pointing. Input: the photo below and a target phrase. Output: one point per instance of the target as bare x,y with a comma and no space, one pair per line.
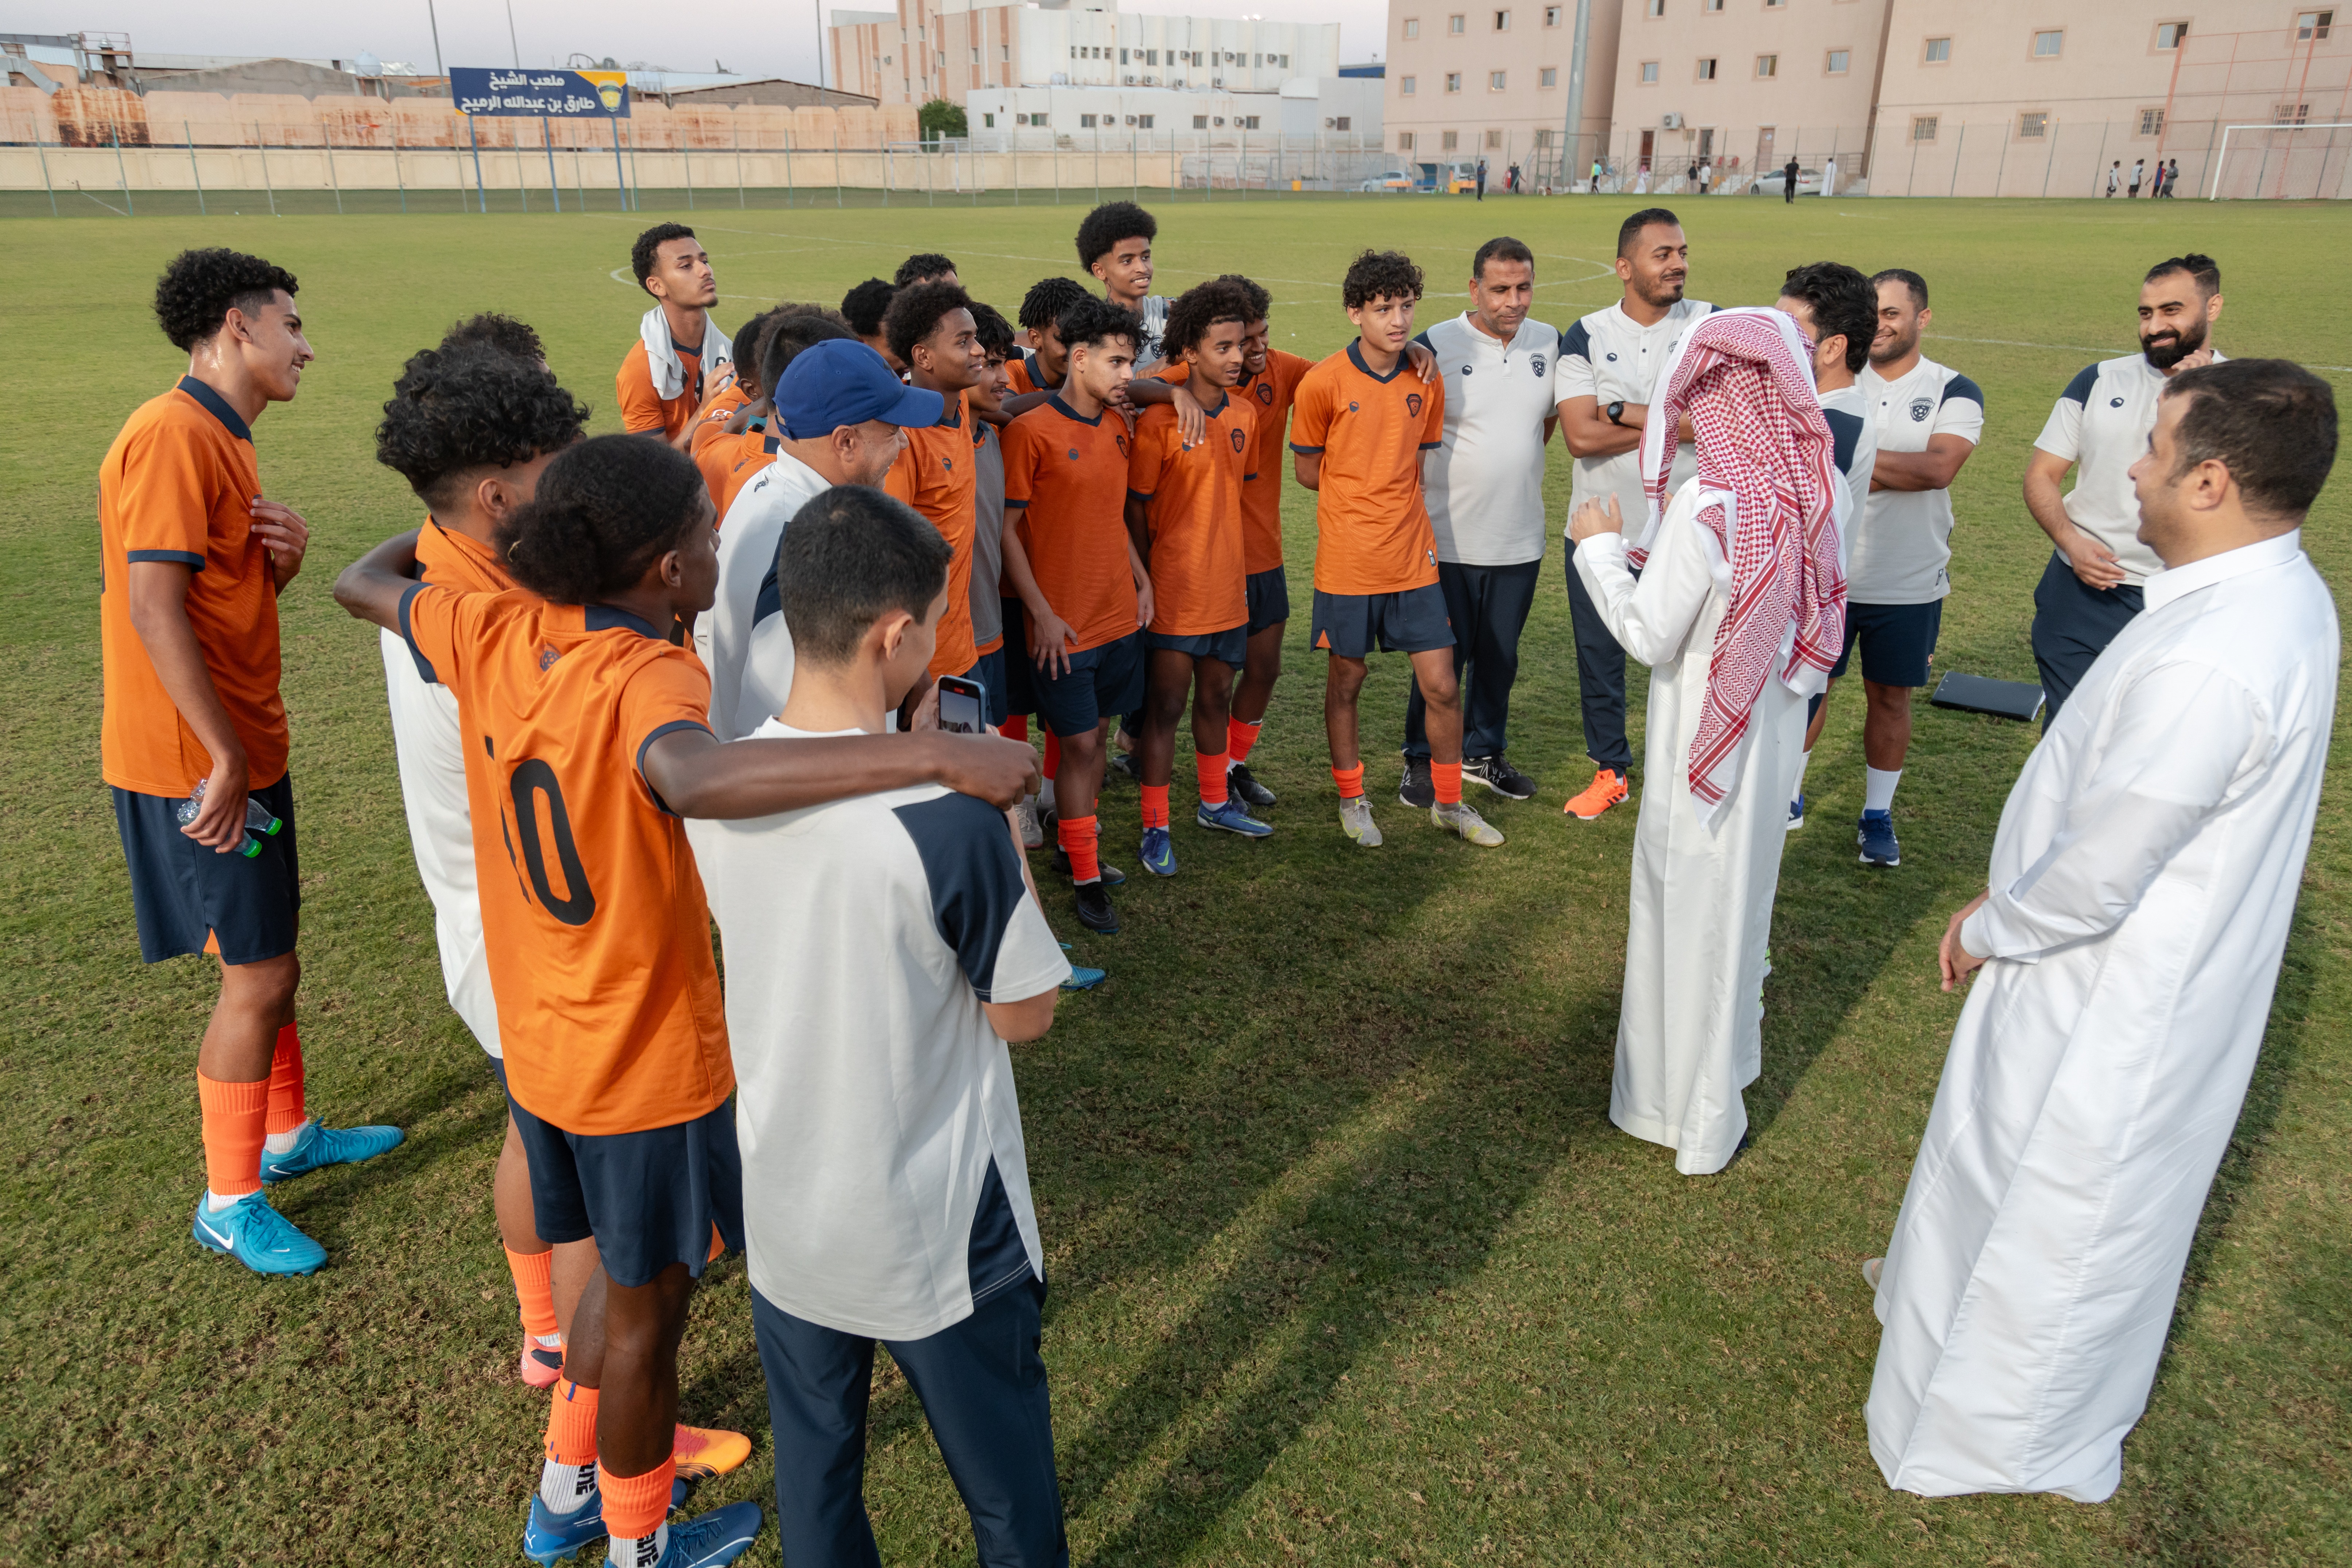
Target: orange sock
1240,738
1155,806
1079,843
1212,776
534,1290
1052,754
634,1506
233,1114
1350,781
1016,728
572,1426
1447,778
718,1245
286,1084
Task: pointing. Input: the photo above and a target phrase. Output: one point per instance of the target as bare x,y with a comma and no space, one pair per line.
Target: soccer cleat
1227,817
542,1365
1158,854
1606,788
1095,912
318,1147
1499,776
1796,814
1033,832
1356,821
1242,784
702,1452
1417,789
709,1540
1081,977
257,1236
1462,818
1875,834
1126,765
550,1537
1112,876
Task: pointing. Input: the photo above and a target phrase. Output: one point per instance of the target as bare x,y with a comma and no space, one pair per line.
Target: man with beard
1609,366
2091,588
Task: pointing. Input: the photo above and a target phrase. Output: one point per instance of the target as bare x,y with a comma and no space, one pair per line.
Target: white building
1344,111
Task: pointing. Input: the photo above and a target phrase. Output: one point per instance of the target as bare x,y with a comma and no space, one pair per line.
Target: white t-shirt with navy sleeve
872,1095
1903,552
1853,447
1484,483
2101,423
1610,357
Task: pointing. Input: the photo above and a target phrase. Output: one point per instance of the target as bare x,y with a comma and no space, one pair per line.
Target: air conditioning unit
1671,122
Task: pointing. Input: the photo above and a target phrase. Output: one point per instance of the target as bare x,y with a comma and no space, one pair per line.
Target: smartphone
963,705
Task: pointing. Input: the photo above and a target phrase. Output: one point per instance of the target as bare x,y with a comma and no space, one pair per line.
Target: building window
2151,122
1940,51
1654,7
1494,139
2049,44
1548,77
2033,125
1451,140
1774,4
1004,52
1201,123
2292,114
1710,4
2171,35
988,122
1551,15
1143,122
1495,81
2313,25
1837,62
1767,66
1502,21
1649,73
1408,86
1122,58
1249,122
1404,144
1345,123
1923,128
1087,122
1457,24
1706,69
1412,27
1544,134
1453,81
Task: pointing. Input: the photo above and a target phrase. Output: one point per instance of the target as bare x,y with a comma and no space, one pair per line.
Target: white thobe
741,638
2142,883
1690,1028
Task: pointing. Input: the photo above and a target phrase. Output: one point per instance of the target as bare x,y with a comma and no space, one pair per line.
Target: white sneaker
1033,835
1463,819
1046,798
1356,822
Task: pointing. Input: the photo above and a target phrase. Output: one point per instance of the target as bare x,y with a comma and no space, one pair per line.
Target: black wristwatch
1616,410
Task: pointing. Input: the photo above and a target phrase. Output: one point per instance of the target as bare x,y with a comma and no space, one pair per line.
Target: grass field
1348,1264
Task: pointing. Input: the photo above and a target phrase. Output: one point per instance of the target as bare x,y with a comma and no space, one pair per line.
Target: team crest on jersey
1613,359
2115,402
1466,370
1921,409
1265,392
1122,441
1539,367
1413,403
1238,442
1074,454
547,658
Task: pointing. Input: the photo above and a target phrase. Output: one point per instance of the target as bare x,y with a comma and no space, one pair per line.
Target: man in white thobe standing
2143,879
1740,612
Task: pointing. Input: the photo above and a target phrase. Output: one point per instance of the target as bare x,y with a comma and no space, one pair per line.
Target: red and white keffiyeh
1770,497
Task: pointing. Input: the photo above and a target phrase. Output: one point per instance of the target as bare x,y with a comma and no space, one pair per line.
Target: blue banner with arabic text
553,94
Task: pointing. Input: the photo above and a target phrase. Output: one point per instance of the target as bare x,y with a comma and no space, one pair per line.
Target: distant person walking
1706,175
2138,165
1595,187
1789,181
1482,180
1829,177
2172,176
2114,175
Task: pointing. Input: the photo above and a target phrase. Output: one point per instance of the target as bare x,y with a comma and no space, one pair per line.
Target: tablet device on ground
2018,700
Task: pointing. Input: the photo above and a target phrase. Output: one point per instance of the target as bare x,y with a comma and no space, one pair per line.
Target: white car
1770,182
1394,180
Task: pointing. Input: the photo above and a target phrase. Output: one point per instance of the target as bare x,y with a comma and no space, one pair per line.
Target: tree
940,118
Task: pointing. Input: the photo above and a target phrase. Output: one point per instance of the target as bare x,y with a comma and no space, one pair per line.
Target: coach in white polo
1610,362
1484,488
2091,589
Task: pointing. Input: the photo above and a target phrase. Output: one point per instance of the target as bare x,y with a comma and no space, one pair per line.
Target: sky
474,32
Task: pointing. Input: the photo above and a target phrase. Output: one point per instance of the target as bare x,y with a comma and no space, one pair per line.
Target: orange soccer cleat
1606,788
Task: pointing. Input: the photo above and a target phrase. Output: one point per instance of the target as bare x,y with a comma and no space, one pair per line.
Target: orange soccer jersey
459,561
1067,479
178,485
1022,371
1269,397
597,935
1371,524
642,408
1199,584
753,451
711,445
937,475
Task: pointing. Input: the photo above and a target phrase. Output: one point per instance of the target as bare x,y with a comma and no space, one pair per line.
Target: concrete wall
1525,118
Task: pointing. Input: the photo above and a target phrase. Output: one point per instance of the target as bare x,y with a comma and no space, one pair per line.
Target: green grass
1348,1264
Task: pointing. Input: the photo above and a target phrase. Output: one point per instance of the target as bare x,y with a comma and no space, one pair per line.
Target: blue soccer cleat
1230,817
551,1537
709,1539
1158,854
318,1147
1084,979
258,1236
1796,814
1875,834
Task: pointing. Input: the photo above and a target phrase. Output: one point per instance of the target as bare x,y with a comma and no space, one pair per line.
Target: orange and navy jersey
1067,479
1192,508
178,485
459,560
1025,376
937,475
752,451
1269,397
597,934
711,420
641,407
1372,523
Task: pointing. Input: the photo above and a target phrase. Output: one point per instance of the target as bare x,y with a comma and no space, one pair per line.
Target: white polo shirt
2101,423
872,1095
1610,357
1484,484
748,654
1853,447
1903,553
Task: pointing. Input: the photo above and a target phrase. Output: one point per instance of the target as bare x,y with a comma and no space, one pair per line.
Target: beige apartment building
1508,81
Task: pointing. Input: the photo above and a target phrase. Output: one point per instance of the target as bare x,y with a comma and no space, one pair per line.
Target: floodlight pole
511,43
435,21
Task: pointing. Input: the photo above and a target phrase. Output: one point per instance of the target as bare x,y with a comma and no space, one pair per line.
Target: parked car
1768,183
1394,180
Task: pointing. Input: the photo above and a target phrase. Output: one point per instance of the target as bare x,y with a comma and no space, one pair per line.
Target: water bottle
259,823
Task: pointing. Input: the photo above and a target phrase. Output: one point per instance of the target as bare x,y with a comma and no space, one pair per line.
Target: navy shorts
187,896
650,1198
1351,626
1020,694
1896,641
990,673
1230,645
1269,599
1099,681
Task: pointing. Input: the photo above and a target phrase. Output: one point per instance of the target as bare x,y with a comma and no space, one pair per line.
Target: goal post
2330,151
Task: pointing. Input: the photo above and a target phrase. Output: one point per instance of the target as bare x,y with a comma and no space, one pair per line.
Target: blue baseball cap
842,382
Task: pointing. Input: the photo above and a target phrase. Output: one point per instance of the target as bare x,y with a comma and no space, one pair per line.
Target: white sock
283,1142
564,1489
1798,793
643,1552
1879,788
214,1203
547,1342
1045,796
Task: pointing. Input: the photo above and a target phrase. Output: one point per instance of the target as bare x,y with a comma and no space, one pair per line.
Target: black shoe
1243,786
1111,875
1418,790
1126,765
1095,912
1499,776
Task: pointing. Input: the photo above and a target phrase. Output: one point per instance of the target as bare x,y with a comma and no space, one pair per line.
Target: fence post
481,191
399,179
620,176
836,165
327,140
130,208
41,151
547,145
930,174
2104,126
579,179
686,157
1134,168
788,168
637,180
739,168
2051,157
263,142
890,173
2002,167
1957,148
195,174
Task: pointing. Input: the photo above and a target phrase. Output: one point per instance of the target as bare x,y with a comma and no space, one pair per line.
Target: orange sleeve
1020,444
1432,416
1310,420
440,628
664,695
633,387
900,479
1175,373
1150,460
165,512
